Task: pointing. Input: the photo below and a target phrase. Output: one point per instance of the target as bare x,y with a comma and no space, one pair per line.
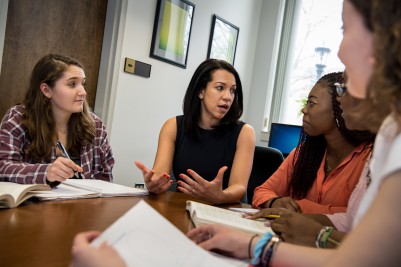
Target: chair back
266,161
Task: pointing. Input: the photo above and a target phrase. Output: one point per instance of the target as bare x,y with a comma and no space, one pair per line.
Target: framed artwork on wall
223,40
172,31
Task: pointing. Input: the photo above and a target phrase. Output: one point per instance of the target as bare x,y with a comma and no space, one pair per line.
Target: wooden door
36,28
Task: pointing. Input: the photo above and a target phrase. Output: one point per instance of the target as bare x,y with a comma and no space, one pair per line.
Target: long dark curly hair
310,150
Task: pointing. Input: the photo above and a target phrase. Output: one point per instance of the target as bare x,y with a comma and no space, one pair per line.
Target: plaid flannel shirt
17,166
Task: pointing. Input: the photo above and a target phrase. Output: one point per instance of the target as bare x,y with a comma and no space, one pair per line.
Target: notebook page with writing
143,237
106,189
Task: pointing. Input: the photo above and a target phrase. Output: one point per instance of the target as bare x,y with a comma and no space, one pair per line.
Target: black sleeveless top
215,149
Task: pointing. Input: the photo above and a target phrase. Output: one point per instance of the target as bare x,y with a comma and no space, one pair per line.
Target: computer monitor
284,137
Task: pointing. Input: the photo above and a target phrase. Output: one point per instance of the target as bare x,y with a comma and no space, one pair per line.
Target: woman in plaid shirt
54,110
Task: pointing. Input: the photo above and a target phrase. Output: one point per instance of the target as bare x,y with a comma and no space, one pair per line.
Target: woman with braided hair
320,174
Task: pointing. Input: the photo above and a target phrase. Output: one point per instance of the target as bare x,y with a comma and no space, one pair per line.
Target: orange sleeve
308,206
275,185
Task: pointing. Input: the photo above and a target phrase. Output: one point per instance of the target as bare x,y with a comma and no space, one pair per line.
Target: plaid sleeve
14,163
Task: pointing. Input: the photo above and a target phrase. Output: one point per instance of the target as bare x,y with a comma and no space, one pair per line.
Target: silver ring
193,190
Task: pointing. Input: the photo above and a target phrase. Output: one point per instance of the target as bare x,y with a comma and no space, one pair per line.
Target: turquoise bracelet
257,251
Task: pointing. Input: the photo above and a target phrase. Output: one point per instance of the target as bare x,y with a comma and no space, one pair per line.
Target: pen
60,145
64,151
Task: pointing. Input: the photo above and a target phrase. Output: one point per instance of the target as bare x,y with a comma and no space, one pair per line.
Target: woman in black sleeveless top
209,150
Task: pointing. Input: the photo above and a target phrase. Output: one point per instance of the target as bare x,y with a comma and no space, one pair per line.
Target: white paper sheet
145,238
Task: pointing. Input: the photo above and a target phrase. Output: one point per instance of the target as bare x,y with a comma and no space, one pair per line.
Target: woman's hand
84,255
155,183
265,213
292,227
217,237
202,189
286,203
62,169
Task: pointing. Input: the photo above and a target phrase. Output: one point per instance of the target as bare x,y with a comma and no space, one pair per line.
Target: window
308,50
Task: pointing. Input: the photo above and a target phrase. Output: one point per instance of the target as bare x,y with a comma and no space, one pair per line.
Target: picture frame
223,40
172,31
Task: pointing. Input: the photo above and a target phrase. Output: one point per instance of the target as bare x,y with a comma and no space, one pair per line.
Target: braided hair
310,150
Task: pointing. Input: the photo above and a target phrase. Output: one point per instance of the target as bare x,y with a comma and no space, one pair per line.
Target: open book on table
207,214
143,237
89,188
13,194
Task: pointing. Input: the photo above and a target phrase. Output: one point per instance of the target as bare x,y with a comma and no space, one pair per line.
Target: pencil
269,216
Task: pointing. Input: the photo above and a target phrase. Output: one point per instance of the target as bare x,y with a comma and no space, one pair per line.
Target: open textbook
89,188
13,194
143,237
207,214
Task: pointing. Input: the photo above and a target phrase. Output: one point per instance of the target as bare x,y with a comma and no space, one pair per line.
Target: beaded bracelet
272,201
257,251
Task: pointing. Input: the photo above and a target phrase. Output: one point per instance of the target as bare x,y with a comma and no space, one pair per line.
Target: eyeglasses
341,89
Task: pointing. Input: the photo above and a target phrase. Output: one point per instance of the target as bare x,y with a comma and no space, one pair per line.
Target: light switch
129,65
137,67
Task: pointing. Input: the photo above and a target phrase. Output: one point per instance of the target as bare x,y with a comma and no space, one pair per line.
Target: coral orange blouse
325,196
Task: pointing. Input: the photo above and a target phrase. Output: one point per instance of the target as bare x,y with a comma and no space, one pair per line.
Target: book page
143,237
207,214
14,194
106,189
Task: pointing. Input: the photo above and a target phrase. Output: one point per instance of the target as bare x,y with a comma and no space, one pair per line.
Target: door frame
110,61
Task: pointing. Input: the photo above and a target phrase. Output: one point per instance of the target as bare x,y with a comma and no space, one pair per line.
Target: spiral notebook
88,188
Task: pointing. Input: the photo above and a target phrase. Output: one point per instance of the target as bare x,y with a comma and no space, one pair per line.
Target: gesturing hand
202,189
155,183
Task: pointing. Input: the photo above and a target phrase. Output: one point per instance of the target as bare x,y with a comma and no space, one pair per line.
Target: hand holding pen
62,168
65,153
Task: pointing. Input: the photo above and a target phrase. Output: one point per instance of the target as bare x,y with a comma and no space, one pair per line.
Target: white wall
134,108
143,104
264,70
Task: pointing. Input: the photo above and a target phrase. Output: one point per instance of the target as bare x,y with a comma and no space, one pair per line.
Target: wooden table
41,233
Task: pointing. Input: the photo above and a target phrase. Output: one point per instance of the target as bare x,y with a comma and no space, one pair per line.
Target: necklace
62,131
330,166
